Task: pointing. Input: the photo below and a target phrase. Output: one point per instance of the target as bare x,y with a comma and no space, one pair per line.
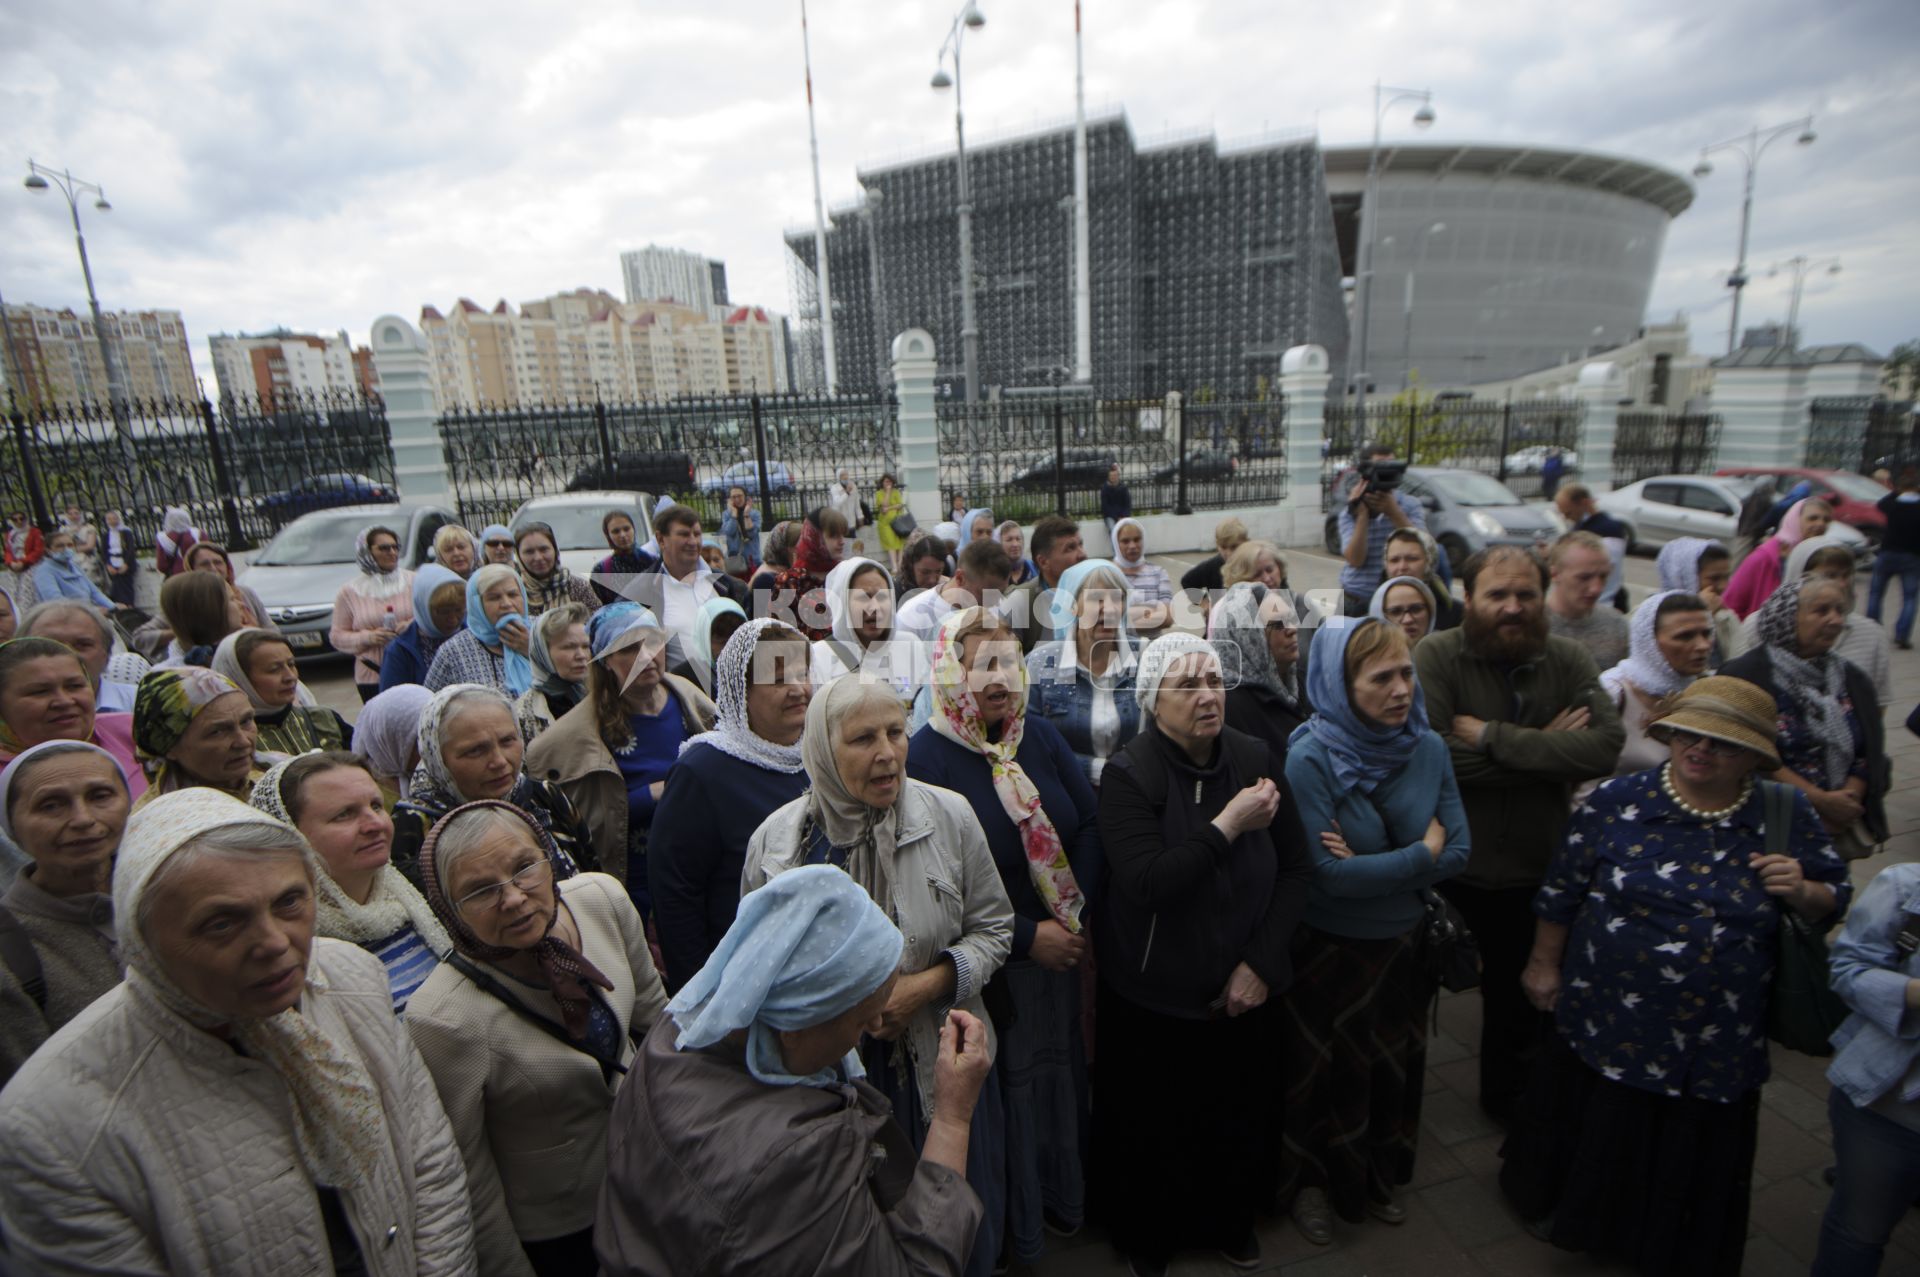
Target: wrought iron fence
1651,441
1025,457
1510,441
241,470
693,450
1861,433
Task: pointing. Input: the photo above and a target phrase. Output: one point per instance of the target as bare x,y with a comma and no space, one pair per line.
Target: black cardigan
1756,667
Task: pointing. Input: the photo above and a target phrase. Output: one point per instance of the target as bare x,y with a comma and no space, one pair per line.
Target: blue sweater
1373,895
407,657
1065,796
698,845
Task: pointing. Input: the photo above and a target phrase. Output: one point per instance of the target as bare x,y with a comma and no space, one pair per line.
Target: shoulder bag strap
466,966
21,958
1779,815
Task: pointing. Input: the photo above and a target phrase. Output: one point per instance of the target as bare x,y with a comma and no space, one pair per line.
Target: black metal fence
785,450
241,470
1510,441
1025,457
1861,433
1652,441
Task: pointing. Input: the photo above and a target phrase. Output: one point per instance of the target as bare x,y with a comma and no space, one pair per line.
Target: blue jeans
1886,565
1879,1177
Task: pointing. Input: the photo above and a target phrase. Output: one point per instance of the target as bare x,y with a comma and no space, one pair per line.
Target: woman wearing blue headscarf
1082,679
439,612
493,650
1376,783
753,1144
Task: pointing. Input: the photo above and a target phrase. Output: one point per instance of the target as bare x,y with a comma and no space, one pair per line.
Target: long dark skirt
1354,1056
1183,1132
1659,1182
1043,1085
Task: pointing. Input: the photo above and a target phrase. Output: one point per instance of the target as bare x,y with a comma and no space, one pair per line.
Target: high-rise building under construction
1207,264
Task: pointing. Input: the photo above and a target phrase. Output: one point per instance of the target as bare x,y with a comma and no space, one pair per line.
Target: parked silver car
1668,506
298,573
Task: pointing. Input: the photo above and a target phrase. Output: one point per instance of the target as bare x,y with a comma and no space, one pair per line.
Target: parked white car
1529,460
575,518
1668,506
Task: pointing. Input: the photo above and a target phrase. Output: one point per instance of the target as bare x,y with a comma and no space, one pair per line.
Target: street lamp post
819,220
1801,266
39,177
1749,147
969,18
1385,96
1406,337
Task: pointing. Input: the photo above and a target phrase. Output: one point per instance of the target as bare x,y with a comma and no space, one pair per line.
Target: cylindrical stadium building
1494,261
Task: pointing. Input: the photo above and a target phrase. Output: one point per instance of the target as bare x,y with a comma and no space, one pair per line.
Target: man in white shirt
981,578
681,583
845,498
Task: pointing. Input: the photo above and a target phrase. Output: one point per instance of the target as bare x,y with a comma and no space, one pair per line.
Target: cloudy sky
320,165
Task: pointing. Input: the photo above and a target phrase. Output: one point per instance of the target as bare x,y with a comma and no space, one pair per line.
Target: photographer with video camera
1375,509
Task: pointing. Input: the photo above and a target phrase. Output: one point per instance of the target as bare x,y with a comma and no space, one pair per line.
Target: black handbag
903,524
1803,1010
1448,952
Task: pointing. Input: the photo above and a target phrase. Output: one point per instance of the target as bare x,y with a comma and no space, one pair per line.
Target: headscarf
839,585
1790,533
339,1124
1120,558
542,592
42,750
176,520
392,904
1236,625
1645,667
429,578
226,660
545,677
432,780
113,537
1814,684
372,582
731,734
1160,656
956,716
617,626
699,644
1362,754
1679,563
492,532
950,533
519,669
811,555
388,730
1377,609
164,708
1060,617
1802,553
867,835
808,946
566,969
967,522
126,667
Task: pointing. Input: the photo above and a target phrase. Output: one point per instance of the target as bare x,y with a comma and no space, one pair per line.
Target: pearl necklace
1700,814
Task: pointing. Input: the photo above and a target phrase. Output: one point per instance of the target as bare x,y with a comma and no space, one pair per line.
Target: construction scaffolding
1206,266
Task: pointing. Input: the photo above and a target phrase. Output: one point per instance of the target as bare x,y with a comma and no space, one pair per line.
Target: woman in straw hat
1654,951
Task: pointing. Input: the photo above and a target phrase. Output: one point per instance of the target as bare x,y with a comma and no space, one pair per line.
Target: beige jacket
572,756
530,1112
134,1143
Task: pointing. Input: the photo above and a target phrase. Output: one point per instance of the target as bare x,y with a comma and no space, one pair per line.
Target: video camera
1382,474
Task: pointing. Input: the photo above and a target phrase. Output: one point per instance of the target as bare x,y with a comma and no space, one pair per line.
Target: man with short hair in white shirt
982,576
681,583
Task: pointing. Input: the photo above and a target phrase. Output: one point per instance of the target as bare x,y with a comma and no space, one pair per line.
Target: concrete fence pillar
1600,387
1304,376
401,358
918,425
1763,413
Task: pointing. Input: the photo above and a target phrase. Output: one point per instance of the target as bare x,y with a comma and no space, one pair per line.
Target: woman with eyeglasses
1408,604
528,1029
370,611
496,545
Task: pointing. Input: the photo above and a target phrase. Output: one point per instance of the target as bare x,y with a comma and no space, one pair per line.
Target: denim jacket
1878,1048
1064,697
742,537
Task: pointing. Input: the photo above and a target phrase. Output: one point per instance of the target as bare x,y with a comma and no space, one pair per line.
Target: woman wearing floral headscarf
547,581
471,749
724,784
1832,743
370,611
1041,821
232,1107
1377,784
195,729
1670,643
493,649
529,1028
1262,629
1759,575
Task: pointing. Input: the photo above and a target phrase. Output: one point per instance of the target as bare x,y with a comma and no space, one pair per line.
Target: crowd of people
754,905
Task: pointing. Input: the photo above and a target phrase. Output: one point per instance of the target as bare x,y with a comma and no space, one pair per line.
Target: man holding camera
1375,509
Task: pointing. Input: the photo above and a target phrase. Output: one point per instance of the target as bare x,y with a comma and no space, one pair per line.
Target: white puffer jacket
133,1142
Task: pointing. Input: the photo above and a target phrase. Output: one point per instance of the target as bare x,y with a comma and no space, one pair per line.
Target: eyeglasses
488,898
1720,748
499,545
1406,610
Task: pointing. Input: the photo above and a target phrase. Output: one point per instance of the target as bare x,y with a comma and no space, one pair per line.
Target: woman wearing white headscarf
232,1108
1149,588
64,804
863,637
919,853
290,721
370,610
762,1137
1409,603
387,735
171,544
1670,639
726,782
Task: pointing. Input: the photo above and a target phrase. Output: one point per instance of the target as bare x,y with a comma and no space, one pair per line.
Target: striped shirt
408,962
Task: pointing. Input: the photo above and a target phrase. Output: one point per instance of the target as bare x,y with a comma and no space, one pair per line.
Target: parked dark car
1209,465
324,492
638,472
1081,469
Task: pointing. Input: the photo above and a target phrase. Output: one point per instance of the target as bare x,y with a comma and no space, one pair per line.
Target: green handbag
1803,1010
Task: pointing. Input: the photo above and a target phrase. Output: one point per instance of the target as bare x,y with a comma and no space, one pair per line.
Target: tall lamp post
1749,147
819,219
1385,97
39,178
969,18
1801,266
